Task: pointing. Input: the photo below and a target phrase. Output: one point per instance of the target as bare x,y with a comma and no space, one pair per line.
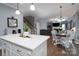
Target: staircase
29,20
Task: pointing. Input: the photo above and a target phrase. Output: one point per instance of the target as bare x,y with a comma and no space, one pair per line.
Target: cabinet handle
4,51
18,51
4,43
28,53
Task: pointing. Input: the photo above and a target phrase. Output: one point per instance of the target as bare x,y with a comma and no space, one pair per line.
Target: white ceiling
47,9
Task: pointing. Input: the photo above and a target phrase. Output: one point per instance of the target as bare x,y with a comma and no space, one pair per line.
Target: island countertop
31,43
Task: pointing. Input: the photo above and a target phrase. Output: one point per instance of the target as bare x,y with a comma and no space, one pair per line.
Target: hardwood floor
52,50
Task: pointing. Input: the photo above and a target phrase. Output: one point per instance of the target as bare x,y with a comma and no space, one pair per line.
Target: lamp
32,7
17,10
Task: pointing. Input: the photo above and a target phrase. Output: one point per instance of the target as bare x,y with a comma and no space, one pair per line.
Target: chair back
54,34
71,35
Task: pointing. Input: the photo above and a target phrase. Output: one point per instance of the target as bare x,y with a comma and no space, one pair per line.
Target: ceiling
47,9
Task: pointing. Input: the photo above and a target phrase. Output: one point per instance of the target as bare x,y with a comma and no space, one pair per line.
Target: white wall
43,23
5,12
76,20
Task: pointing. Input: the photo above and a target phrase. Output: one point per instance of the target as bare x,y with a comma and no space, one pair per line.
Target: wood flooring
52,50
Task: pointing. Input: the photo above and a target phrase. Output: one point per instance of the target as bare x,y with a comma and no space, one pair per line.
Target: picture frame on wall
12,22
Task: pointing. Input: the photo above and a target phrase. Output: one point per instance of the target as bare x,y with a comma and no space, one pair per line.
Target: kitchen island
14,45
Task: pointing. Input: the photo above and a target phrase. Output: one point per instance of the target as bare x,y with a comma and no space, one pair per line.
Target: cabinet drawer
6,44
13,53
21,51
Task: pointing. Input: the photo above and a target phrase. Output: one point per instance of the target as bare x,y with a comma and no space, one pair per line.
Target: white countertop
30,43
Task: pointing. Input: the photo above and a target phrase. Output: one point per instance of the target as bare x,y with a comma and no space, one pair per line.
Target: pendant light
32,7
60,12
17,10
61,17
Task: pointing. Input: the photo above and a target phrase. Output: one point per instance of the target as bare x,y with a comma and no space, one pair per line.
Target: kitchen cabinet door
13,53
21,51
0,43
5,48
5,52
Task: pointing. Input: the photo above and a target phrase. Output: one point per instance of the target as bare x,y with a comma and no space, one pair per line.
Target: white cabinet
5,52
41,50
19,50
0,48
5,48
11,49
13,53
0,43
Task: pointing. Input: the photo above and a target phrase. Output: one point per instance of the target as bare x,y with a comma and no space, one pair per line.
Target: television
55,24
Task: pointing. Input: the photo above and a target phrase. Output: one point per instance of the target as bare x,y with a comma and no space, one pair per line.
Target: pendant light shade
32,7
17,10
61,12
61,15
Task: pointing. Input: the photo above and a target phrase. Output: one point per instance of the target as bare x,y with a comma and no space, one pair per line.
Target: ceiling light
61,12
32,7
17,10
